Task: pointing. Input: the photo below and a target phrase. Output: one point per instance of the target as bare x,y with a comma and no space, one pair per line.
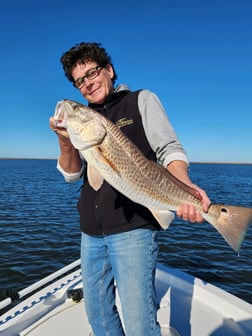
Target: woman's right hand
69,158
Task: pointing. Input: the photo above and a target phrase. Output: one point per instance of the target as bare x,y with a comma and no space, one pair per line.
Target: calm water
39,229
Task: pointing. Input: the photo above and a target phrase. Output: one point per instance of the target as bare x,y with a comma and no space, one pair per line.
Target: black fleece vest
107,211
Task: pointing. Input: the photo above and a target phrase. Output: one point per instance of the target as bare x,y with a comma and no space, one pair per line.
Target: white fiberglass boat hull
190,305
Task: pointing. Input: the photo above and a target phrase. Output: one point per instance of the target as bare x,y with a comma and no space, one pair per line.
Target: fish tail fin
232,223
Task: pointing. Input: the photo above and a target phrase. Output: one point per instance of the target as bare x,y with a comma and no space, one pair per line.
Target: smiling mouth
94,92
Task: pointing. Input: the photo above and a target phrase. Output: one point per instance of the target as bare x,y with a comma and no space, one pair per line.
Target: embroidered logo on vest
124,122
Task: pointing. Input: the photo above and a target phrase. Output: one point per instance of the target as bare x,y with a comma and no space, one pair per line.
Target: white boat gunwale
193,306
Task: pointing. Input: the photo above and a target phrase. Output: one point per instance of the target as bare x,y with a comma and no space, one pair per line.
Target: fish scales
150,177
146,178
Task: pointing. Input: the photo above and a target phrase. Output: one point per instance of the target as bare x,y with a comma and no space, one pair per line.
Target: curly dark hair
82,53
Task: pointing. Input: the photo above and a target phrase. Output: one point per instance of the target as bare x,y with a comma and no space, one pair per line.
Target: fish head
85,126
69,112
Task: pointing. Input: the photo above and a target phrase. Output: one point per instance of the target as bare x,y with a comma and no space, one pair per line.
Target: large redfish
111,156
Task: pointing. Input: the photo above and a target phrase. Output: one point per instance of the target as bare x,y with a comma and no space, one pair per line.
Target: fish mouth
60,115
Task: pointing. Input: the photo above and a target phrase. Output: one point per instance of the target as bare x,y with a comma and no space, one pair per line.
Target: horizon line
198,162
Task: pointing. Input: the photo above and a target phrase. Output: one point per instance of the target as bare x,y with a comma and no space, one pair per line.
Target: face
97,89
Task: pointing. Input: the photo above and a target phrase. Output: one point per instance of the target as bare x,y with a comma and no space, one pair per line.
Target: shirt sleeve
159,131
70,177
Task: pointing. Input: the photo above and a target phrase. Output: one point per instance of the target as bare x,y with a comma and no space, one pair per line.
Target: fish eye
223,210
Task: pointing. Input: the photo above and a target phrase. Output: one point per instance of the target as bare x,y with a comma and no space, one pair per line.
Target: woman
119,237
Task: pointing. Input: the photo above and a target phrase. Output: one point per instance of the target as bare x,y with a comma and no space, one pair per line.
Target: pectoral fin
94,177
164,217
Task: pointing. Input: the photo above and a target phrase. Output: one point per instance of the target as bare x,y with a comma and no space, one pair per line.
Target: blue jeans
129,258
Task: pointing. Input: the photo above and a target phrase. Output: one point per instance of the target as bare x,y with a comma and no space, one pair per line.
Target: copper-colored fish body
111,156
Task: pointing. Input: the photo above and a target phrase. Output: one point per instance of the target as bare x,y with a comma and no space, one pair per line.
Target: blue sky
196,55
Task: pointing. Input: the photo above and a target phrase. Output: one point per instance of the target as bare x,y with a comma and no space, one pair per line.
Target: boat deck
188,304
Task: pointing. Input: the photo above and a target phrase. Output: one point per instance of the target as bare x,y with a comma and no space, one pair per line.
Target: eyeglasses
90,74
